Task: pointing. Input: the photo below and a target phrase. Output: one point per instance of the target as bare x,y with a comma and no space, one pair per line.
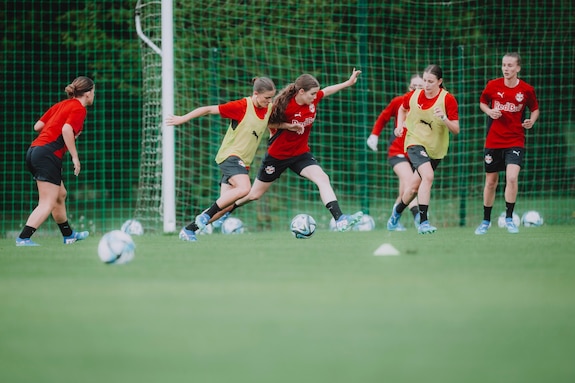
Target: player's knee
490,185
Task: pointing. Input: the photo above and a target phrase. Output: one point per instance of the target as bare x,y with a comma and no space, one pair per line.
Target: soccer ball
116,247
208,229
232,225
133,227
501,220
302,226
532,218
366,223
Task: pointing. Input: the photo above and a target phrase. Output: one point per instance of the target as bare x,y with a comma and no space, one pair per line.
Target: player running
504,101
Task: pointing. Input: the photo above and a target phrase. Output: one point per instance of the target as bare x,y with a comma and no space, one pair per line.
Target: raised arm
329,90
198,112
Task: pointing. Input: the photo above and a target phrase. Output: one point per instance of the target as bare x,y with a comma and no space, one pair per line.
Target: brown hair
79,86
305,82
263,84
436,71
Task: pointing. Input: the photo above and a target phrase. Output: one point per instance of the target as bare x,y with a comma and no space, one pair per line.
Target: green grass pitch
265,307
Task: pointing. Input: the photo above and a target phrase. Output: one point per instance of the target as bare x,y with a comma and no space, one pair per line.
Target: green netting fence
221,45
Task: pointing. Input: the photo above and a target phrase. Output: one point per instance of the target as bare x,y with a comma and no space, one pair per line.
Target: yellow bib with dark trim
244,139
426,129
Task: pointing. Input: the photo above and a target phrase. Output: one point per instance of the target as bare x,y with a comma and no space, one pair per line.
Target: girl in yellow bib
249,121
428,114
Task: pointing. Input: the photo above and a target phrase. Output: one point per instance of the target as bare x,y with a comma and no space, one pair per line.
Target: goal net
218,49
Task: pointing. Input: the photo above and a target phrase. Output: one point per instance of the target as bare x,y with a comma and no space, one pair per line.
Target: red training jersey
424,103
396,144
284,143
236,110
70,112
507,131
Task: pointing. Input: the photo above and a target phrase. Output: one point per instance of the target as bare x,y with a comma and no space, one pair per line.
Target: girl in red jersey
291,121
429,114
59,128
504,101
396,155
249,120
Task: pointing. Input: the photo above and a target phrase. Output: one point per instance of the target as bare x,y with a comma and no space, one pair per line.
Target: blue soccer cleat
76,236
510,225
187,235
393,221
202,221
346,222
426,228
483,227
25,242
218,223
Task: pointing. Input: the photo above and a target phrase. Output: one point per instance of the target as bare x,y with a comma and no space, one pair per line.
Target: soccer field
265,307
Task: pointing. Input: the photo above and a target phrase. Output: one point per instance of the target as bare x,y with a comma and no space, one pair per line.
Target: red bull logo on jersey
519,97
307,122
508,106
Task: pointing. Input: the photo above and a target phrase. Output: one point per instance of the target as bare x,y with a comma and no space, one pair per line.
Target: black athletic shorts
392,161
496,160
44,165
232,166
272,168
418,156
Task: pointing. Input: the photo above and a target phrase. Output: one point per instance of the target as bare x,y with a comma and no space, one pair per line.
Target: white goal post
166,52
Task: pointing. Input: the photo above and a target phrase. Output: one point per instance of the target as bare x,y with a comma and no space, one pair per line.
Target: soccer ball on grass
367,223
303,226
532,218
232,225
133,227
116,247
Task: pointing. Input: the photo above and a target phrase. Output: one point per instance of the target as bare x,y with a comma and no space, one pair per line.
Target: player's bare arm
493,113
198,112
329,90
529,122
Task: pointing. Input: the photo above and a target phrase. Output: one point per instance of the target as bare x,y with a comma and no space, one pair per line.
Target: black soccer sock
213,210
487,213
509,207
415,211
400,207
334,209
27,232
423,212
65,229
192,227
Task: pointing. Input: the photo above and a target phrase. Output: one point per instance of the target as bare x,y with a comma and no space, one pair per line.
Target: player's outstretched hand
354,75
174,120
